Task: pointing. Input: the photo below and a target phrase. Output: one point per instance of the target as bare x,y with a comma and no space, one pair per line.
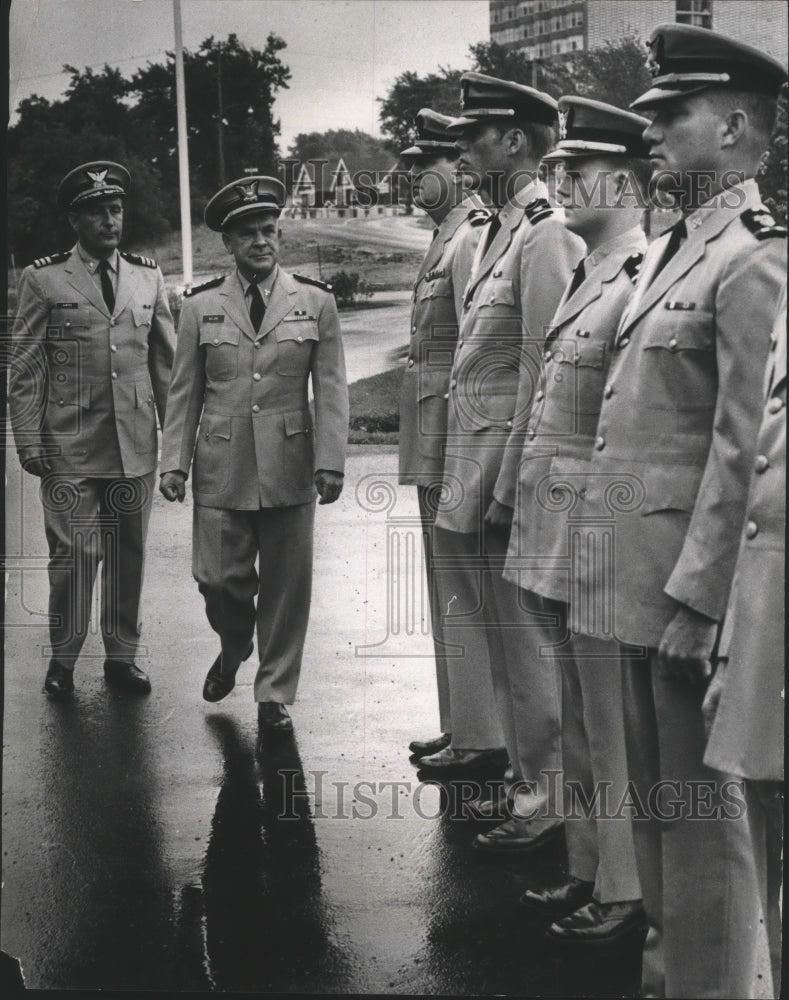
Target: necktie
577,279
494,225
256,306
106,285
678,233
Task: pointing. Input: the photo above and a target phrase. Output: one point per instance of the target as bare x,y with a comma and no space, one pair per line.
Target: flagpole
183,148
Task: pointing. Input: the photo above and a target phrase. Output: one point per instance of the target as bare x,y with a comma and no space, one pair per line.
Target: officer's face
684,137
254,242
99,226
483,154
586,188
433,183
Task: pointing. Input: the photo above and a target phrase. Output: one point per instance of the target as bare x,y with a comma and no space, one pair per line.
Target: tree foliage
772,178
406,98
102,115
358,149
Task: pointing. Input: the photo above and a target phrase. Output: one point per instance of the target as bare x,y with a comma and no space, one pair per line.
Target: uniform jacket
513,292
747,735
242,397
436,303
86,387
676,435
563,423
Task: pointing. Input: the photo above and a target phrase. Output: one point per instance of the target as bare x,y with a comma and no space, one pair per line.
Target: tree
406,98
505,64
772,178
615,73
230,93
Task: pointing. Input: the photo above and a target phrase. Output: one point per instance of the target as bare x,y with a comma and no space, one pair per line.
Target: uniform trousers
474,718
526,689
693,845
276,596
765,800
599,834
427,513
88,521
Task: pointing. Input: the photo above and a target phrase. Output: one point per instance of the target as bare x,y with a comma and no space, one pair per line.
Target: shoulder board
213,283
54,258
538,210
762,224
312,281
135,258
633,265
478,216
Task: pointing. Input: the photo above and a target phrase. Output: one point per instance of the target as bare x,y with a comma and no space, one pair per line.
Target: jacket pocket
497,292
441,288
212,457
670,489
681,373
295,340
221,352
297,452
67,319
576,377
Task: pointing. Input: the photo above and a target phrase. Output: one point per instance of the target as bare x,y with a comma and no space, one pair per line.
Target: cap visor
657,95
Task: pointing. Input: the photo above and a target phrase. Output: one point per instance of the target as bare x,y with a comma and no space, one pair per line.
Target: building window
696,12
578,19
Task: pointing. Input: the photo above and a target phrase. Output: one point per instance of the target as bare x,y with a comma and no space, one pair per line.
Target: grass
375,406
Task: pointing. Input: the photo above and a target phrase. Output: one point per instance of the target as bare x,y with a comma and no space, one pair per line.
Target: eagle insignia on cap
97,176
563,116
249,191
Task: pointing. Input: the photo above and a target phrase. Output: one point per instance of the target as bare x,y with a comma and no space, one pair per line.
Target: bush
348,287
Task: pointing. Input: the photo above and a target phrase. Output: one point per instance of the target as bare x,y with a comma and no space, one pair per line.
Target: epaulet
54,258
538,210
213,283
135,258
633,265
312,281
478,216
761,223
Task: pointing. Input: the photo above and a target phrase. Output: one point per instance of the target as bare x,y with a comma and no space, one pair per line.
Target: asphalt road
152,844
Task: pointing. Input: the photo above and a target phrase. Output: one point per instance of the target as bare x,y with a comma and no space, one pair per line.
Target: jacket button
624,342
509,423
300,339
410,362
751,529
257,343
114,374
62,402
762,463
113,348
112,322
672,344
413,329
256,408
216,340
608,391
446,395
547,356
599,443
775,405
453,383
256,376
532,433
540,396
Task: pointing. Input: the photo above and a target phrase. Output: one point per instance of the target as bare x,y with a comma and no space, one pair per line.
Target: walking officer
249,344
93,350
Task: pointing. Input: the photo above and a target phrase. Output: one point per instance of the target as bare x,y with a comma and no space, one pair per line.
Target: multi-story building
554,29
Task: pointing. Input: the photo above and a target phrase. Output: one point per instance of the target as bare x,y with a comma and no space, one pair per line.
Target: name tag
214,319
67,305
685,306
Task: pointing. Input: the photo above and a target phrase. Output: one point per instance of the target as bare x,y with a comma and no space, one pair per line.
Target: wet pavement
155,844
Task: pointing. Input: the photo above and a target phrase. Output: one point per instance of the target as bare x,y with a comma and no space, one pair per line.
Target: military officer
744,703
249,344
522,266
93,350
669,471
602,179
467,708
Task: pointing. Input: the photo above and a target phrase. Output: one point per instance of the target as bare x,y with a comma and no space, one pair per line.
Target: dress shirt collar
632,240
265,285
92,263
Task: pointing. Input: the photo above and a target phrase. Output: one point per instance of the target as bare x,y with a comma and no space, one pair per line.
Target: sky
342,54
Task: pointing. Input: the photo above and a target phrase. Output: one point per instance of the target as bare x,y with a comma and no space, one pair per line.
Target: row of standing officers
590,430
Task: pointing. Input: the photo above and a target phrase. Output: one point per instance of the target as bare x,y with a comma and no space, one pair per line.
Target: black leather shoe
217,685
273,718
559,902
487,810
599,925
451,761
59,681
422,748
126,676
516,836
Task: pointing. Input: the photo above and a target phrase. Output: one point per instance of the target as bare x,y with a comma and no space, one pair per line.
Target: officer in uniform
675,444
467,709
93,351
604,173
249,343
523,264
744,704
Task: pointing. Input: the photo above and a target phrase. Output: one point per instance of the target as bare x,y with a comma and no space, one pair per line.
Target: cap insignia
248,191
655,55
97,176
563,116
